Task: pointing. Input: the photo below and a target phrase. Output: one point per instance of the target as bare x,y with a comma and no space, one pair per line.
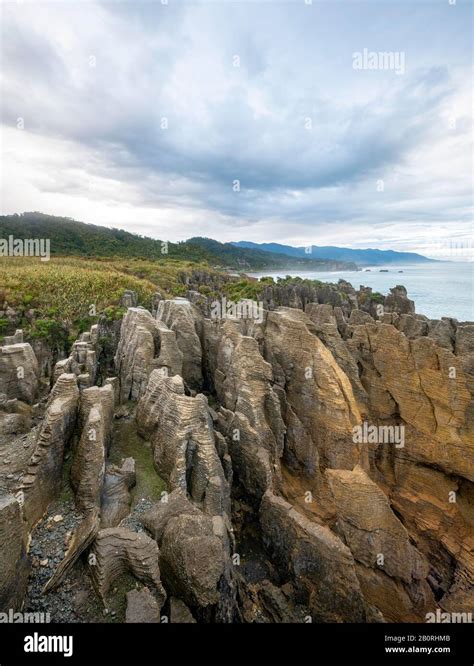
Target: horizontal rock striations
250,416
185,319
115,498
42,480
192,525
319,563
88,467
145,344
320,409
184,446
393,572
117,550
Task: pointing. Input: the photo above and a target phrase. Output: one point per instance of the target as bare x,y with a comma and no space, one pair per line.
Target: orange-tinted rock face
402,506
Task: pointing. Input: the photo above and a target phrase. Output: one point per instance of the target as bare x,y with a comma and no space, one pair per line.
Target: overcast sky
144,115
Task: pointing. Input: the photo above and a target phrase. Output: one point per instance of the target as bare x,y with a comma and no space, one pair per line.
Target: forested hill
69,237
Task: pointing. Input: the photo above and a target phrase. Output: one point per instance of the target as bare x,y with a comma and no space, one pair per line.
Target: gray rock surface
142,607
19,372
14,564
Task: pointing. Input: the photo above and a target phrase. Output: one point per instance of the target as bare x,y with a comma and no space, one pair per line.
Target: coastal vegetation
72,238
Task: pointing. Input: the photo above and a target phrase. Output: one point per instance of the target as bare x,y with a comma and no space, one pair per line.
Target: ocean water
444,289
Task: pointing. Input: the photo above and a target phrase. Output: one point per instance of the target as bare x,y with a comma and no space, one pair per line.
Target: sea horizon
439,289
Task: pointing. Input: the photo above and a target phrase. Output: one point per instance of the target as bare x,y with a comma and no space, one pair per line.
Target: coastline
439,289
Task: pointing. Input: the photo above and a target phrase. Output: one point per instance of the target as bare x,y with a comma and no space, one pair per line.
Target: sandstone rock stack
41,482
250,416
19,372
118,550
88,468
181,432
192,526
82,360
186,320
145,344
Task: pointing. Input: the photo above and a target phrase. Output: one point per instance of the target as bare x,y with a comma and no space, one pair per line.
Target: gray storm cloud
145,115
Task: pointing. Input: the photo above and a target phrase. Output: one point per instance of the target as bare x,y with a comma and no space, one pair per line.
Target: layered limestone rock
193,525
320,408
171,506
88,467
359,317
184,445
464,345
318,563
417,384
116,499
437,512
327,525
326,326
19,372
14,565
398,301
396,583
42,481
88,473
371,528
82,361
186,320
250,416
116,551
413,326
145,344
443,332
422,384
342,295
192,559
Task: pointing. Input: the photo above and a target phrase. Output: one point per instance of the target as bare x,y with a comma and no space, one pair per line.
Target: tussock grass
65,287
68,286
53,298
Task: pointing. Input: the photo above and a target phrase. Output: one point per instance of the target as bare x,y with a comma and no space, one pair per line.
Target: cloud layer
242,120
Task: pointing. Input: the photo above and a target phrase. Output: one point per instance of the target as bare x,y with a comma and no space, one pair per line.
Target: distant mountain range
368,257
70,237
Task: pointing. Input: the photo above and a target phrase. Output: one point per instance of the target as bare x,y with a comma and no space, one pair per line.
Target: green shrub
377,297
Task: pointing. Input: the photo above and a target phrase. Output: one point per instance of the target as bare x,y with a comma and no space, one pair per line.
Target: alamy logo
444,618
373,434
12,617
40,643
243,309
25,247
380,60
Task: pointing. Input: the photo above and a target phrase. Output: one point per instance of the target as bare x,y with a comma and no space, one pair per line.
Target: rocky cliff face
313,465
